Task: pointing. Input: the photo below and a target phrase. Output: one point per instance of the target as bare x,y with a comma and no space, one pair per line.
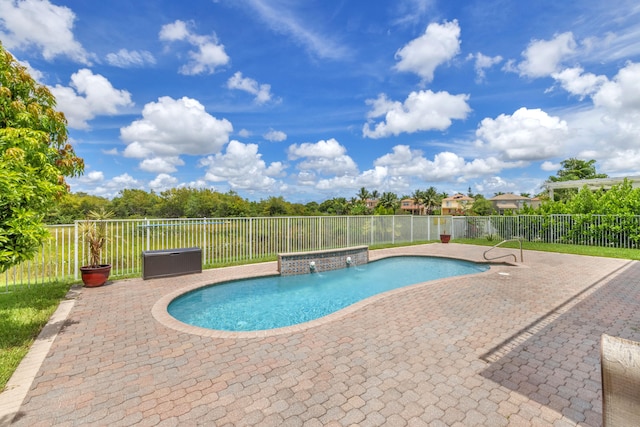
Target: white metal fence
222,240
237,240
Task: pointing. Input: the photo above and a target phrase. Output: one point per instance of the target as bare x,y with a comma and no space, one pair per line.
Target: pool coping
161,314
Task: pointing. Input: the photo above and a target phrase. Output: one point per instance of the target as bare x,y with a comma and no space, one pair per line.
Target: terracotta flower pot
95,276
444,238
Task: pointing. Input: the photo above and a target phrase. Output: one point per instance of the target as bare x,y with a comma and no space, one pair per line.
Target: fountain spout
349,261
312,266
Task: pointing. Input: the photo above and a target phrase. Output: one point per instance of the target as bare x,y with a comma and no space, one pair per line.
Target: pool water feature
278,301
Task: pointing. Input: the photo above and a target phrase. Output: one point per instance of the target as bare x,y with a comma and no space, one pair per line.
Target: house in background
458,204
408,205
513,202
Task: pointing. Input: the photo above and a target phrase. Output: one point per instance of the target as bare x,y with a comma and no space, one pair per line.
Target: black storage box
171,262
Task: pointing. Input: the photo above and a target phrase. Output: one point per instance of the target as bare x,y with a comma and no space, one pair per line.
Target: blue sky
315,99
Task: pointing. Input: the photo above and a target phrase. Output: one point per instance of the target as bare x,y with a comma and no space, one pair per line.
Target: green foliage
134,203
34,159
76,206
575,169
429,199
572,170
359,208
482,206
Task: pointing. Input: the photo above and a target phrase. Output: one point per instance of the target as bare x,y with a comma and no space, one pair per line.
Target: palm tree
374,195
431,199
363,194
418,197
388,200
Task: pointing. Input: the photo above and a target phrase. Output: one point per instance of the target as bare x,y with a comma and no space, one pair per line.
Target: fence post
76,267
250,238
146,233
371,232
393,229
288,234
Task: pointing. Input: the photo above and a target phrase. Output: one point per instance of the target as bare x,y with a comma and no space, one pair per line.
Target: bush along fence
617,231
239,240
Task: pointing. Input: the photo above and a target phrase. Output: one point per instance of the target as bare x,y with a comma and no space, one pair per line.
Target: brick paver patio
517,345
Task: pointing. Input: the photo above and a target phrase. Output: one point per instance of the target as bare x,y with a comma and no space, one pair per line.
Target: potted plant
94,232
445,237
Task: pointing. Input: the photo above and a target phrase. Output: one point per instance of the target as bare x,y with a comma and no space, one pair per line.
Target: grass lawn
23,313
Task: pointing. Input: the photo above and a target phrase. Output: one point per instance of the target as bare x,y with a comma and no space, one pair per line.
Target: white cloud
209,54
578,83
421,111
92,178
275,136
282,18
548,166
445,166
609,130
262,92
373,178
411,11
495,184
130,58
242,167
324,157
622,94
244,133
89,95
43,25
161,164
543,57
483,62
528,134
327,149
124,181
176,31
163,182
170,128
439,44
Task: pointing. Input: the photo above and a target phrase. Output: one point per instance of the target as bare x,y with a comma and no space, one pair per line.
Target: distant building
458,204
408,205
513,203
371,203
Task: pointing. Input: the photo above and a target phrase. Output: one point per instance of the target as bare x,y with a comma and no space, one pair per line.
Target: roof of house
509,196
459,197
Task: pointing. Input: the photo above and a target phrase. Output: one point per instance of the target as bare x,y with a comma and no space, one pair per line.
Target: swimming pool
278,301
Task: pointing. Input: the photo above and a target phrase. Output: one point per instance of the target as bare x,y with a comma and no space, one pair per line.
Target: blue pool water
278,301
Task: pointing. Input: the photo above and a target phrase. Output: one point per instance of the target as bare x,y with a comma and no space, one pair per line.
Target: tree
75,206
135,203
275,206
35,158
363,194
387,204
572,170
431,199
418,197
482,206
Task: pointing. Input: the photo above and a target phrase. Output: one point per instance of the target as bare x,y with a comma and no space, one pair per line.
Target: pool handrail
515,258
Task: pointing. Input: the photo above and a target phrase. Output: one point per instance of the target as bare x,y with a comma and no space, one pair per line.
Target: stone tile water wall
332,259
